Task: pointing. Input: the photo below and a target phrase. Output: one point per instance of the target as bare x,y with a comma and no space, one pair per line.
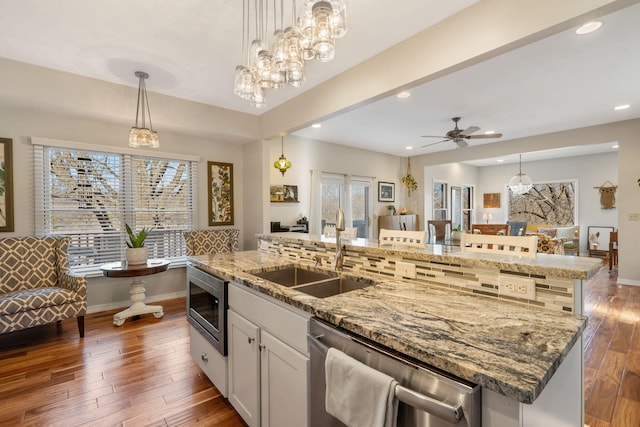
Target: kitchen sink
331,287
293,275
320,284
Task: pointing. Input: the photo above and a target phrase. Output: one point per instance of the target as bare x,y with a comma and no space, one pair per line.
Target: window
352,194
440,200
467,207
88,195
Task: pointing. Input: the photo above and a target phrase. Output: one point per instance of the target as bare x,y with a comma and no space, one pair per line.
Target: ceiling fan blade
434,143
432,136
461,143
491,135
469,130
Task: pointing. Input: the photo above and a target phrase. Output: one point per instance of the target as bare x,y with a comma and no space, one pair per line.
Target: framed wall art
220,193
491,200
6,186
546,203
386,192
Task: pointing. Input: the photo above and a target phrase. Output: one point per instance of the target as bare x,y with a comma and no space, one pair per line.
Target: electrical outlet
518,287
634,216
405,269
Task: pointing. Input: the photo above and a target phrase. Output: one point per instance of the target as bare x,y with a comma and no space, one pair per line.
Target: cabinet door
244,367
283,384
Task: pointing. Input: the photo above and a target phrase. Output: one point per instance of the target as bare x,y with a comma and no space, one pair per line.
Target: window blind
89,196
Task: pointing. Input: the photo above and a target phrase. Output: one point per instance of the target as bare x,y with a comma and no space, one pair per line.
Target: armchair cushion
36,286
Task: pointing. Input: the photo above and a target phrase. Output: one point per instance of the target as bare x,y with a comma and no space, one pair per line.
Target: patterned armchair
36,285
202,242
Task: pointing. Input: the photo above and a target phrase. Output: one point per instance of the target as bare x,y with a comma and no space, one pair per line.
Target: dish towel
358,395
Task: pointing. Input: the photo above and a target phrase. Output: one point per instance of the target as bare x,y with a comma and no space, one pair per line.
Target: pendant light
143,136
520,183
282,164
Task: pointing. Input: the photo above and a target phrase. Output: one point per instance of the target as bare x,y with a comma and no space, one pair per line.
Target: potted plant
409,180
456,232
136,252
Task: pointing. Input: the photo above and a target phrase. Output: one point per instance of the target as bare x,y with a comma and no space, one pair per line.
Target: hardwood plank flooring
612,352
141,373
138,374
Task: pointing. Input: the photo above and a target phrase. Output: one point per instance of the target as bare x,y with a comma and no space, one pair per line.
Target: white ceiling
191,47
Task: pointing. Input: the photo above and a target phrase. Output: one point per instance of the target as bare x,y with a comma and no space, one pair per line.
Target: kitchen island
511,349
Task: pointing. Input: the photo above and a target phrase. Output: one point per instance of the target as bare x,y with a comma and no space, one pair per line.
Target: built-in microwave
207,306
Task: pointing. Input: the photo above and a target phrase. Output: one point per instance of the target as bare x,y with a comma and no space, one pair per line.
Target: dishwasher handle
449,413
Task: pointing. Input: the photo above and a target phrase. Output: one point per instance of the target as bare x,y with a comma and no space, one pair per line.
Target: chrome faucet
339,258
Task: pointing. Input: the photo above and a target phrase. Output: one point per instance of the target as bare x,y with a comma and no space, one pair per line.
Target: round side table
138,307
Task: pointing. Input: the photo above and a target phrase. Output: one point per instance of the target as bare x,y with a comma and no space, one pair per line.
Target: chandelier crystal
272,63
141,136
520,183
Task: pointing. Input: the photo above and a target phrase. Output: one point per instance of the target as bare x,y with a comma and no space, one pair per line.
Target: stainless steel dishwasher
426,398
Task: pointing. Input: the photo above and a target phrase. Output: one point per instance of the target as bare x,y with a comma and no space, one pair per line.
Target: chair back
402,237
442,229
517,228
506,245
203,242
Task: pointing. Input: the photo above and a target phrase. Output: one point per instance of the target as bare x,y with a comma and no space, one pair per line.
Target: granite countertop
565,266
506,347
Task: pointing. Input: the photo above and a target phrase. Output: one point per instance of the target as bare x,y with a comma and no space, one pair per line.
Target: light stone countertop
507,347
564,266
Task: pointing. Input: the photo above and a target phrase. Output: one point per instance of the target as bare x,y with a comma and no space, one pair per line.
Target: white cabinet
268,360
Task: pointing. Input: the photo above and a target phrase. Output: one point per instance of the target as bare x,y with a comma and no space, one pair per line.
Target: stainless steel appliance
207,306
426,398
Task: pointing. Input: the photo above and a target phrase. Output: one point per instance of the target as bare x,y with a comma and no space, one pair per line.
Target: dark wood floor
138,374
612,353
141,374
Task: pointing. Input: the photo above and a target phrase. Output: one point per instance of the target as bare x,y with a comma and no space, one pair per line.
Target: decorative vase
456,235
137,256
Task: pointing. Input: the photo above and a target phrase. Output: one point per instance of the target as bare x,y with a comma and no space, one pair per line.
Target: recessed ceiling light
500,160
408,148
403,94
589,27
316,125
621,107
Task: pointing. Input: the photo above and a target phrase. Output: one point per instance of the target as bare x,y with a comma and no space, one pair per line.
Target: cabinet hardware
204,357
250,340
261,346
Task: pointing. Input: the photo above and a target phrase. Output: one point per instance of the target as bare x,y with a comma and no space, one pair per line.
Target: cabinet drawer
277,318
212,363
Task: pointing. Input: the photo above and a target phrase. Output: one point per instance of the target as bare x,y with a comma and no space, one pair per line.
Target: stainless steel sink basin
293,276
320,284
331,287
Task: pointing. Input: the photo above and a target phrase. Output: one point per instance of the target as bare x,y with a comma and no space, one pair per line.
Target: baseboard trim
628,282
127,303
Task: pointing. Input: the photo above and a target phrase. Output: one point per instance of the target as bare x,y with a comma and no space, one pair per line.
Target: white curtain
315,209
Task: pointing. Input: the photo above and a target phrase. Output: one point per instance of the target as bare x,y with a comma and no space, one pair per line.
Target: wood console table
138,307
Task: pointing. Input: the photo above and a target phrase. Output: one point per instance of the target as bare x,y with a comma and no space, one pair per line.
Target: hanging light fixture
520,183
272,64
143,136
282,164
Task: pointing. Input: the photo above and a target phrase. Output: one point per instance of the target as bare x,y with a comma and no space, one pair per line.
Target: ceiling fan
458,136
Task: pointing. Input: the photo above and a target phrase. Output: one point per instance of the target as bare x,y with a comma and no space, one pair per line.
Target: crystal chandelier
143,136
309,36
520,183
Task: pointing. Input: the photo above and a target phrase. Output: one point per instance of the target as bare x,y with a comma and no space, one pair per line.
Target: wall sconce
282,164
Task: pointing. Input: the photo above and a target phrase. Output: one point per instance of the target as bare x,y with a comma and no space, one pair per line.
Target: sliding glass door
353,196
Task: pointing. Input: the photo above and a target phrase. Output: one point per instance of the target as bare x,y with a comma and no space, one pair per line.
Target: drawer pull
204,357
